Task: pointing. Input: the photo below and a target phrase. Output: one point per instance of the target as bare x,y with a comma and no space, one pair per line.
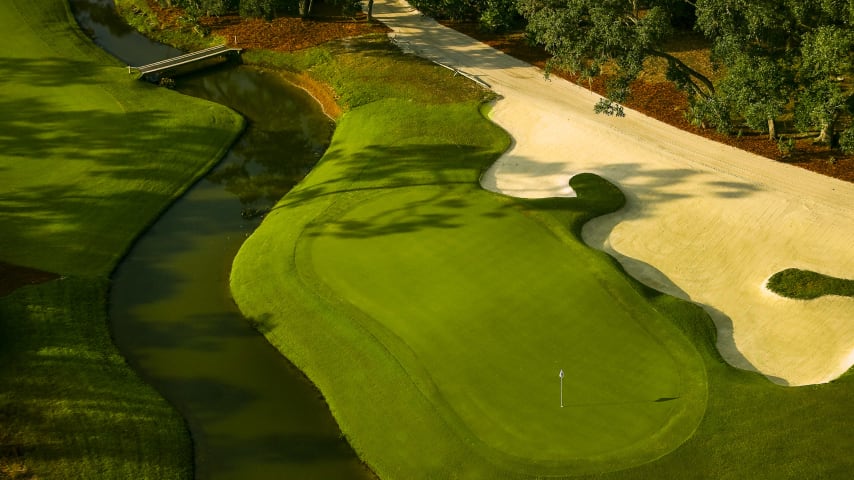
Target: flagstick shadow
631,402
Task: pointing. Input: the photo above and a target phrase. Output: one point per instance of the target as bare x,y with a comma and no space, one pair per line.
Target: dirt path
703,221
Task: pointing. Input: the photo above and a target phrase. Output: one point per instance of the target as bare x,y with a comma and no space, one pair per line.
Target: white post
561,387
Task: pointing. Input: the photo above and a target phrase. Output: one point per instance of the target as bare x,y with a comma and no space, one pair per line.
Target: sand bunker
703,221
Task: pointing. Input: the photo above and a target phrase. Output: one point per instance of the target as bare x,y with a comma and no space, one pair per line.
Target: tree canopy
775,56
249,8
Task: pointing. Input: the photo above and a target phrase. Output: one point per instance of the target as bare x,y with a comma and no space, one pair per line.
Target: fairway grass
79,135
435,316
88,158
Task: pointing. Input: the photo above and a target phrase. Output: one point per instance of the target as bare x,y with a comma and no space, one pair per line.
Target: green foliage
770,51
710,112
805,284
757,87
202,7
493,15
585,35
826,55
818,105
448,9
785,145
846,140
499,15
775,50
257,8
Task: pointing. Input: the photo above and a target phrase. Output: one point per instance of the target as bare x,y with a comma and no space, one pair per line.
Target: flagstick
561,388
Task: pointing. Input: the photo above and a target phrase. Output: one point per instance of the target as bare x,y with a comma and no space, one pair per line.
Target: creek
250,412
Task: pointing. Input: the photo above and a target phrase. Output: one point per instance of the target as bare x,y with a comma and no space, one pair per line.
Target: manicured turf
434,316
492,306
475,302
88,158
79,133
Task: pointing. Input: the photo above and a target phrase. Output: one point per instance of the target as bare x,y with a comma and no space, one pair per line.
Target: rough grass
806,285
88,158
388,193
70,406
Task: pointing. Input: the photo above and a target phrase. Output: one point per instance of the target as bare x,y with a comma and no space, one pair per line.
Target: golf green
484,307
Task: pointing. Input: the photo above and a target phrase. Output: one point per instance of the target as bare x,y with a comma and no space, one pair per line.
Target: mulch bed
282,34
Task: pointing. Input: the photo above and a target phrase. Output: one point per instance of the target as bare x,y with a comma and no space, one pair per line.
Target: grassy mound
89,157
436,316
806,285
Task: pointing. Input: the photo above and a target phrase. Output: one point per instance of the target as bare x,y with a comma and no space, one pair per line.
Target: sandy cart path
703,221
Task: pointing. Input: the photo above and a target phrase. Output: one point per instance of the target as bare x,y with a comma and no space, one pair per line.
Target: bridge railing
184,59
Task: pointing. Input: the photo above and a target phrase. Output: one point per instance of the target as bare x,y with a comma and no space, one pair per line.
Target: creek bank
250,412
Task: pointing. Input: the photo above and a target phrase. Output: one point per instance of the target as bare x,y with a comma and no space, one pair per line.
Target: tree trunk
772,129
825,134
304,8
370,10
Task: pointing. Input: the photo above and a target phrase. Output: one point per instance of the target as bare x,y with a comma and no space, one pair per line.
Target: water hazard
250,412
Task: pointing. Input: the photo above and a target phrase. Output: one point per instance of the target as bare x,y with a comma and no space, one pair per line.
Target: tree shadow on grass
377,168
66,391
81,172
49,71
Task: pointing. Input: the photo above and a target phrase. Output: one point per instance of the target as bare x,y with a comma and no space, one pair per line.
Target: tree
493,15
773,54
757,85
584,35
258,8
773,50
305,7
826,55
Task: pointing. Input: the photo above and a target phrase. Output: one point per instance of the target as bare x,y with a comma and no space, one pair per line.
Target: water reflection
285,139
251,413
98,18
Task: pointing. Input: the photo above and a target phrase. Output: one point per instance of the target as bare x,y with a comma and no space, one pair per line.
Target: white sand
703,221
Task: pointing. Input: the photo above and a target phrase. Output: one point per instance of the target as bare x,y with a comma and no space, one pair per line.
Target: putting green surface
491,306
435,316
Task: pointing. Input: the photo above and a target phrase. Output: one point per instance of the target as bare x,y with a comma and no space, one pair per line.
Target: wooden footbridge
185,59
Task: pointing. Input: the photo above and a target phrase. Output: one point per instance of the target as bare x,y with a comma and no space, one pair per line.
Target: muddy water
251,414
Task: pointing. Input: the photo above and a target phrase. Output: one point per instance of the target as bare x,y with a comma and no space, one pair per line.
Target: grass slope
89,157
383,184
461,305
